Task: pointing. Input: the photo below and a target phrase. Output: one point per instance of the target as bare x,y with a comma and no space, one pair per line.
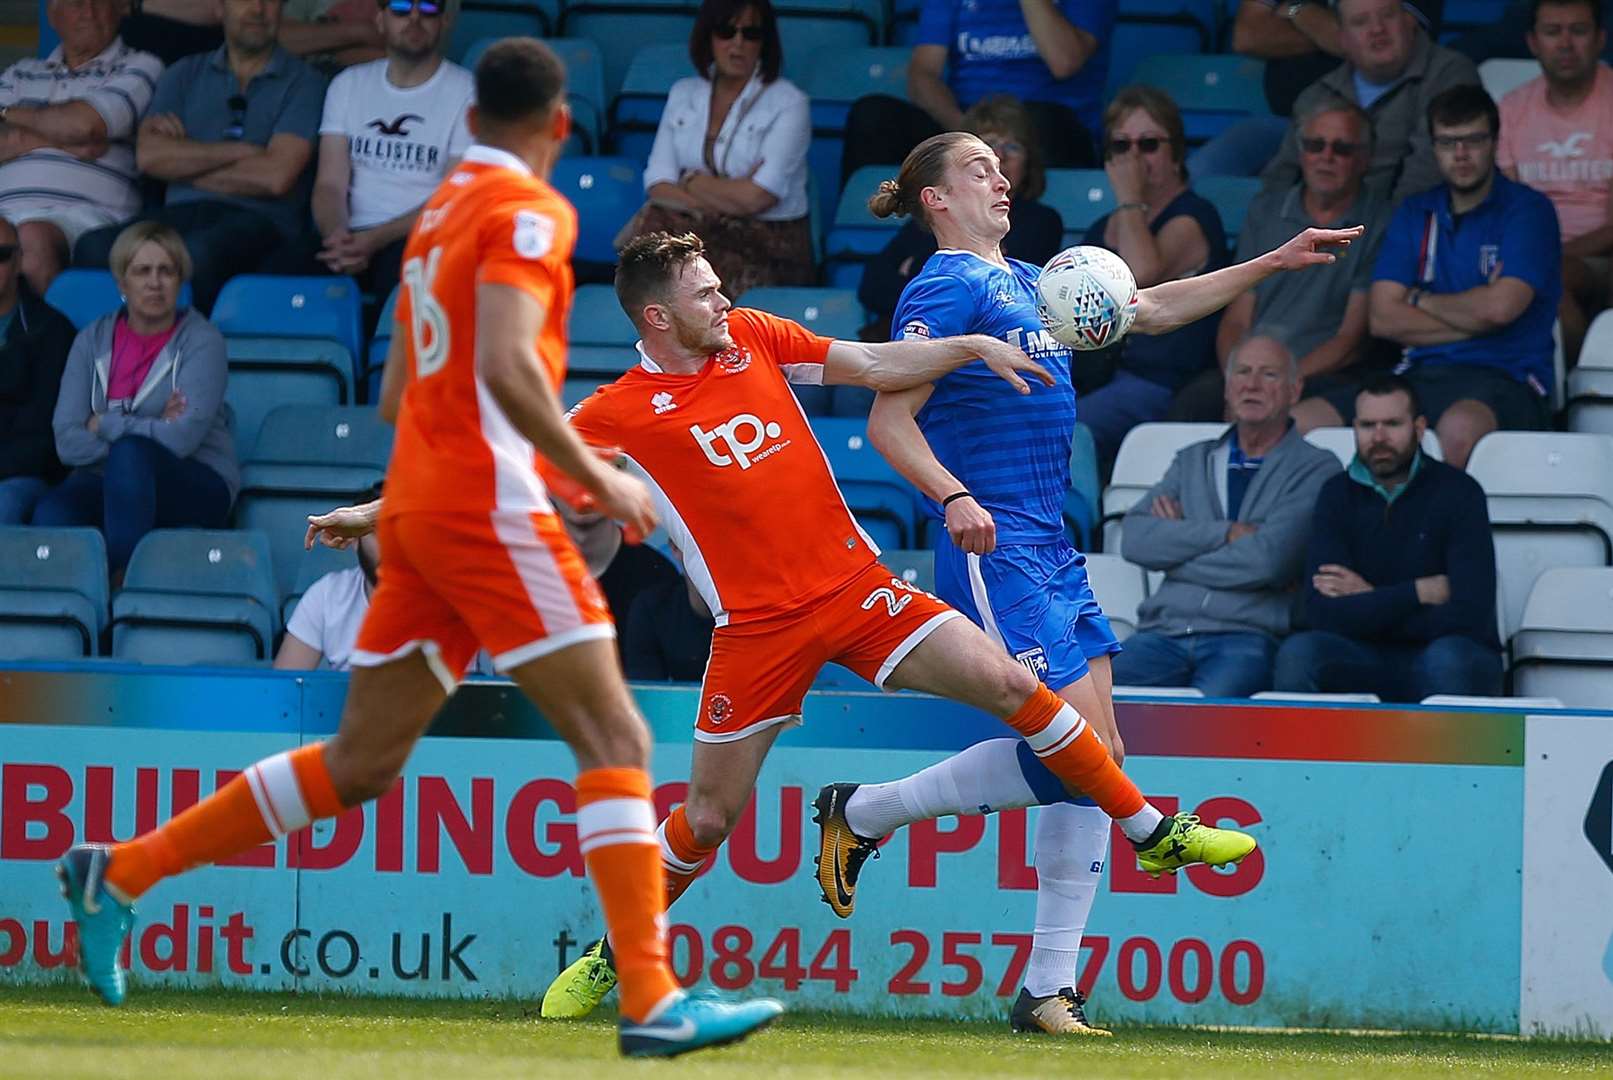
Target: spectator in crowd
1557,137
1227,526
34,340
1035,235
141,416
623,570
67,126
1400,597
1051,54
324,624
1324,323
729,160
1164,231
667,635
1473,304
232,132
1392,69
392,130
335,32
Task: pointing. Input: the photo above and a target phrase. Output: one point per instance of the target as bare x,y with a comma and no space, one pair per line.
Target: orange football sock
616,831
1066,744
681,857
276,796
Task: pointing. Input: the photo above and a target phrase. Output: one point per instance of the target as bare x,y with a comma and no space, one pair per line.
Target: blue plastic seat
635,113
809,29
607,192
836,79
585,87
1213,92
479,23
622,29
914,566
290,339
833,313
53,593
85,295
197,596
308,459
385,327
855,234
885,505
1231,196
1081,501
1081,196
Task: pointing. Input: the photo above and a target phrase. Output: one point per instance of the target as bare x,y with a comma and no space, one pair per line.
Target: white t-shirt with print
328,616
400,140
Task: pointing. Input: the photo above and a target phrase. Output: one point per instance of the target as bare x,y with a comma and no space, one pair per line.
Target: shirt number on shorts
893,603
428,322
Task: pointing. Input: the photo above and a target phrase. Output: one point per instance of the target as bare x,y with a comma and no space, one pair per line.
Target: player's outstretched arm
898,365
1173,304
508,321
895,433
341,528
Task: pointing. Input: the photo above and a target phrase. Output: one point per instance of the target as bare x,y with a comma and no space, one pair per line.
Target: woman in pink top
141,416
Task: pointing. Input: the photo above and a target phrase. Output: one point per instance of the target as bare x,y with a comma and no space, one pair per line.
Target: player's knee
362,774
1010,685
709,820
619,740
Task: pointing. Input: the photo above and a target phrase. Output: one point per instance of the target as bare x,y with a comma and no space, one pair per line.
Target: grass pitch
58,1033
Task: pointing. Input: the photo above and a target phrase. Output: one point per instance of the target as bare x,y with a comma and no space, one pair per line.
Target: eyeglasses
7,251
1471,141
237,127
1339,147
429,9
1120,146
726,31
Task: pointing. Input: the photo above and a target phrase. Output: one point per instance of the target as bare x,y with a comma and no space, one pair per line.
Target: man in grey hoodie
1228,526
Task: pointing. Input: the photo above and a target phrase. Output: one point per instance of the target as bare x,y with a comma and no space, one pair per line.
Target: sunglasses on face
1339,147
429,9
7,251
1471,141
726,31
1121,146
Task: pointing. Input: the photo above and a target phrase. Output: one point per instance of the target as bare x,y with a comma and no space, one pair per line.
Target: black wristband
950,499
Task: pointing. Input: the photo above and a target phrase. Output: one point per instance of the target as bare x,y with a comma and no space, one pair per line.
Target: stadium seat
375,364
916,567
1550,499
602,336
855,233
809,29
479,23
1319,699
1145,453
197,596
1081,196
1145,27
1158,691
85,295
585,88
1212,91
1082,500
314,564
831,313
1590,384
607,192
308,459
1469,701
835,79
1230,196
1501,76
635,113
621,30
1462,15
1564,647
290,339
885,505
1340,441
1119,587
53,593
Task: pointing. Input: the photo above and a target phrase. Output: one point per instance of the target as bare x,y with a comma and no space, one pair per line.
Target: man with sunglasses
1468,280
231,131
392,130
1322,318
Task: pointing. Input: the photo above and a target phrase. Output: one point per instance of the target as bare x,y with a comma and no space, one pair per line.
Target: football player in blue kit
994,468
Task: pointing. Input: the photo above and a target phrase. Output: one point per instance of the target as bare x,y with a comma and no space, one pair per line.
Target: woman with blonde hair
141,417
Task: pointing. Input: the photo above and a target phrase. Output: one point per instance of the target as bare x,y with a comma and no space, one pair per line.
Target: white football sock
1141,825
987,777
1072,842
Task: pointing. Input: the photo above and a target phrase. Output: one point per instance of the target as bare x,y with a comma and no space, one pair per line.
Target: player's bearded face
699,310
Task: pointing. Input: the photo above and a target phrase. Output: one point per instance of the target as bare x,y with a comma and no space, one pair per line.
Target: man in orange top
473,555
746,494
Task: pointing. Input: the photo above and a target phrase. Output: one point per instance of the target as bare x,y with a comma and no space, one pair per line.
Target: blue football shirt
1012,451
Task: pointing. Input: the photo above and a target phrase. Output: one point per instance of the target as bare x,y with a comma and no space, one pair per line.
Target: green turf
56,1033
